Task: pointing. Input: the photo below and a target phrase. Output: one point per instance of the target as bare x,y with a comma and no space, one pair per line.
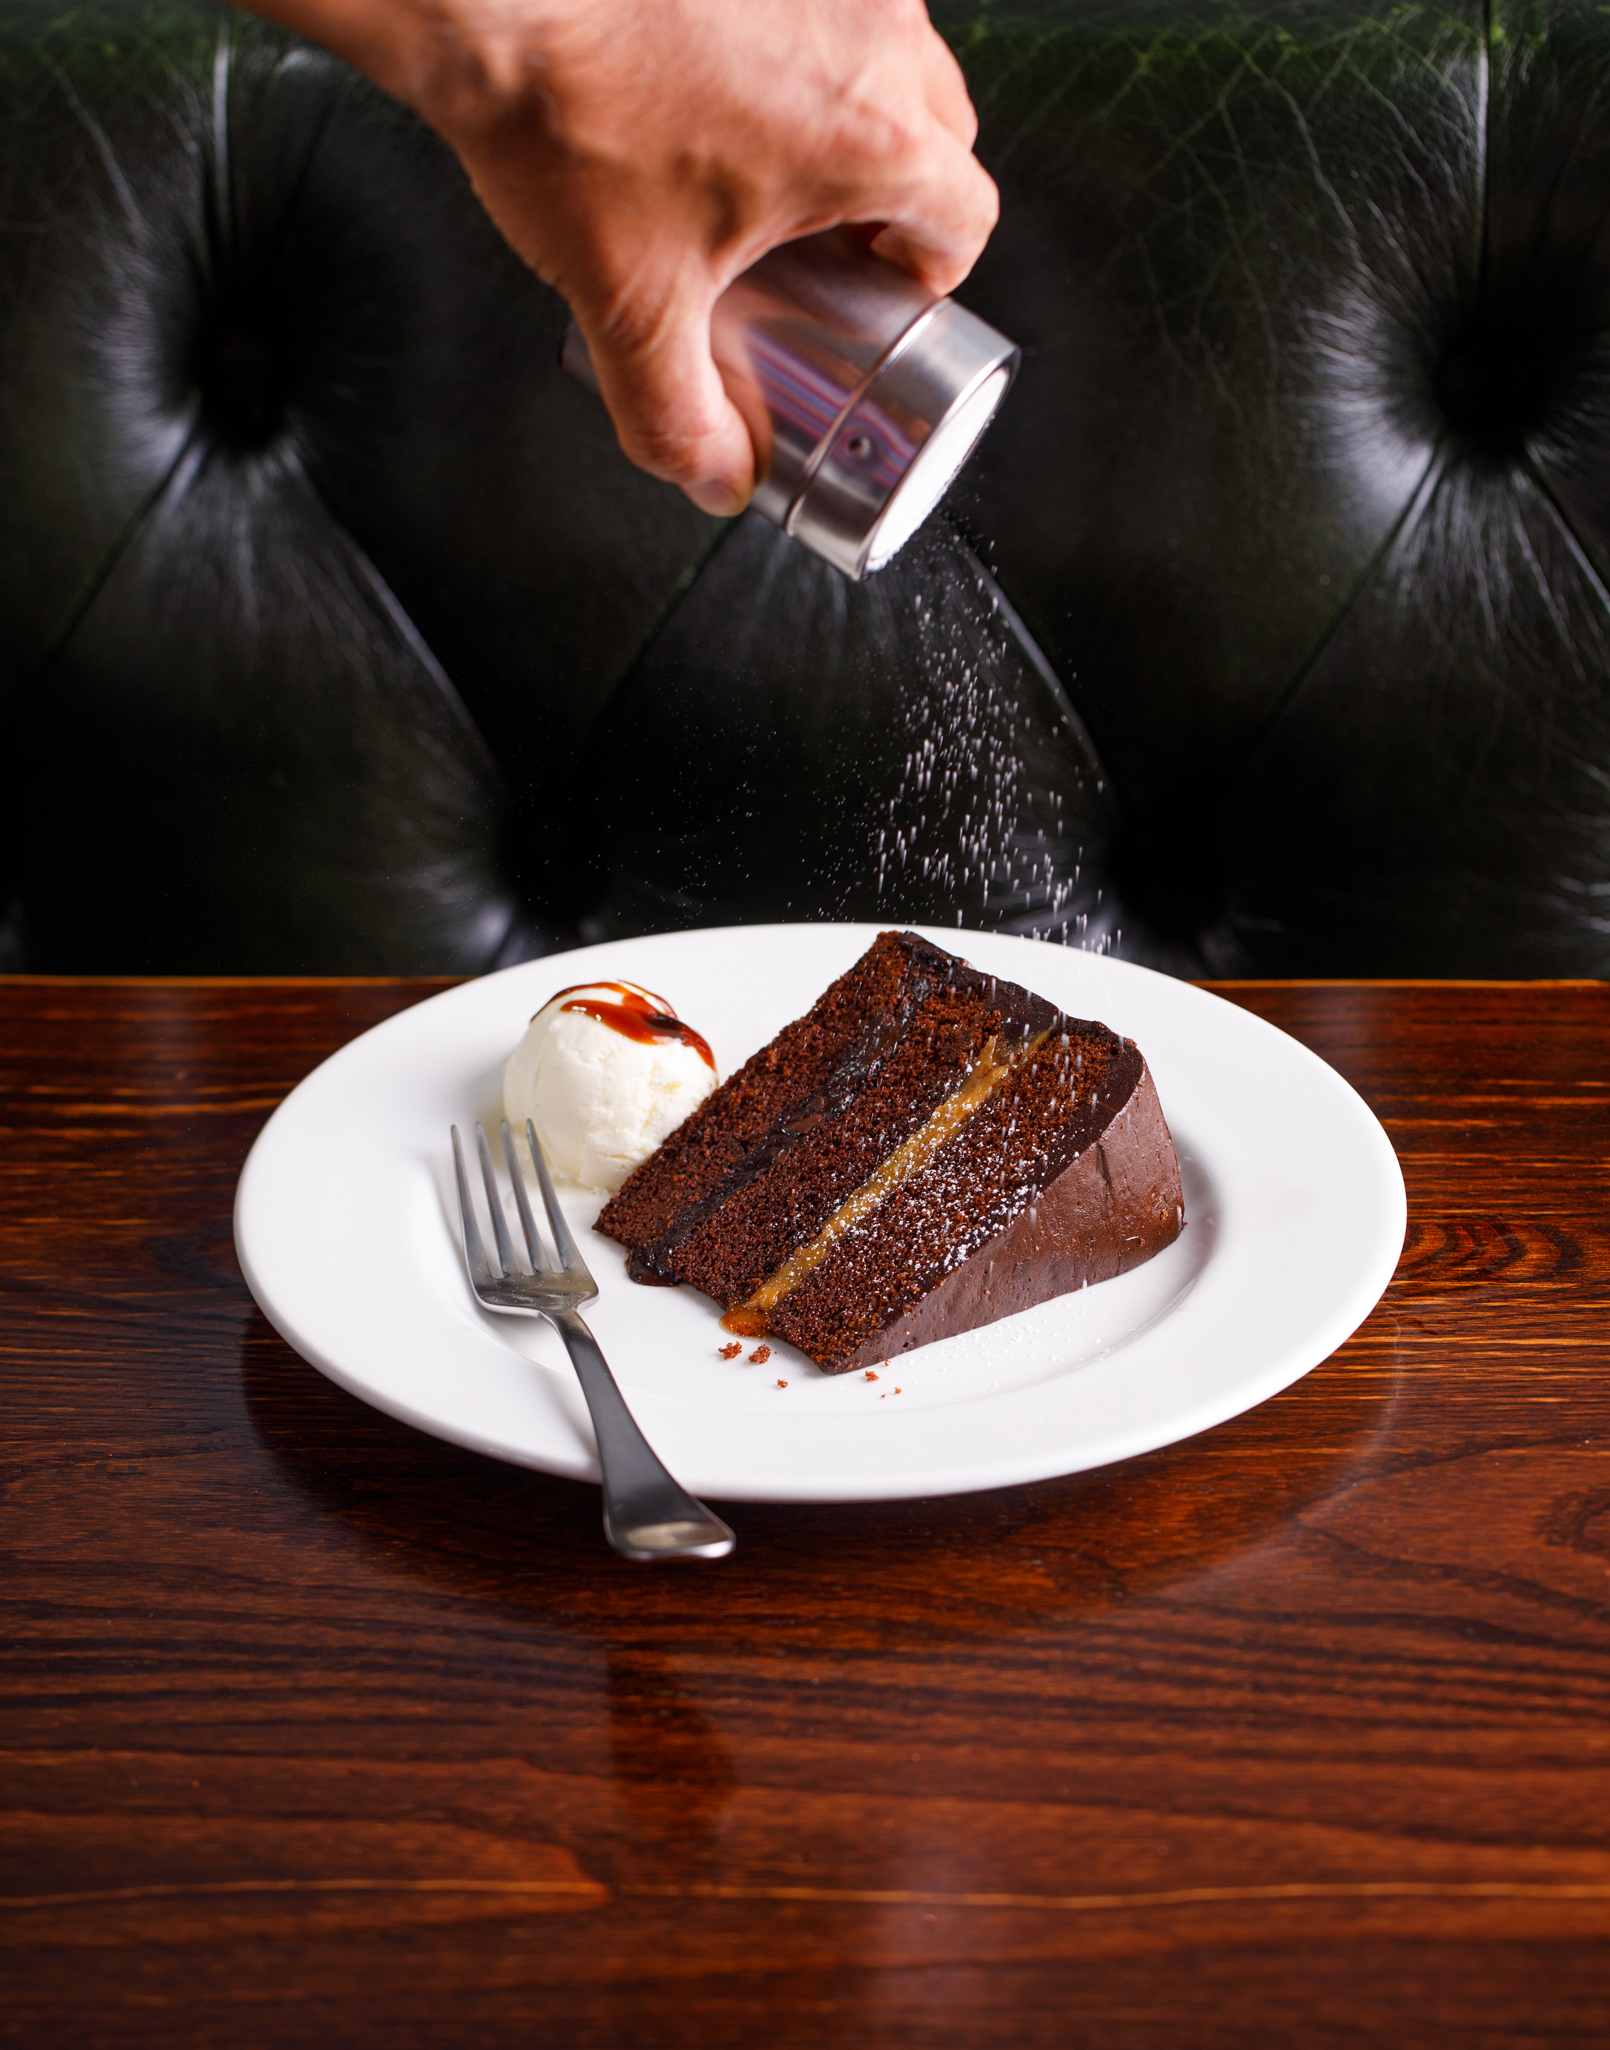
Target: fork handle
647,1515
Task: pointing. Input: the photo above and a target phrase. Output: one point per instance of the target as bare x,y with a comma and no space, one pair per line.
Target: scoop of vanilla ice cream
601,1101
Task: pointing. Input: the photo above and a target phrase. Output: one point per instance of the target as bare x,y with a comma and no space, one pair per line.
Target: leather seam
1060,695
103,571
1426,486
689,575
1579,548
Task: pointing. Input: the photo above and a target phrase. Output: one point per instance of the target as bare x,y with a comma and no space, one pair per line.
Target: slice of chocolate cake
927,1149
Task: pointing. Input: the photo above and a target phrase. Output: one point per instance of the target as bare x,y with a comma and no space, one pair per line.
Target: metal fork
647,1515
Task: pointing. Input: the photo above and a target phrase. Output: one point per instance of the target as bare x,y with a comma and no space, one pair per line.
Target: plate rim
1344,1316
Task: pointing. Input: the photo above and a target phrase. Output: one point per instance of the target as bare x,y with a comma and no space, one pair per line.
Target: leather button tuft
242,374
1502,378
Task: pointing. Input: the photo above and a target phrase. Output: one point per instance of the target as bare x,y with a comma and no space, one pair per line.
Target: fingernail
718,497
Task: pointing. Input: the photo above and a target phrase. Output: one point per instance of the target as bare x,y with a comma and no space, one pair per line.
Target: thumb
670,408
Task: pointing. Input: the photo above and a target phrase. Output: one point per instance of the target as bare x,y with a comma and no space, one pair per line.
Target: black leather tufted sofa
1269,634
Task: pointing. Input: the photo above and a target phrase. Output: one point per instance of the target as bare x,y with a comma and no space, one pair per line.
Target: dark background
337,636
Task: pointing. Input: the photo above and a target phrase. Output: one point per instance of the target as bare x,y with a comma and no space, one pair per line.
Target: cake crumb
759,1357
870,1375
731,1352
782,1384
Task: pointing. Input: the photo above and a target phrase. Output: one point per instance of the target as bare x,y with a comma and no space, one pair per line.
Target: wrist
465,66
472,64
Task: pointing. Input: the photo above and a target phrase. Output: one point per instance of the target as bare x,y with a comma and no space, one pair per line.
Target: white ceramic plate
346,1223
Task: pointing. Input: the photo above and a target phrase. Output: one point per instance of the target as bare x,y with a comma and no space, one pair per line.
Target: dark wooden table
317,1732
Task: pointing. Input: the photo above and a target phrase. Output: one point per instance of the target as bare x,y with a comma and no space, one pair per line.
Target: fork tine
474,1251
570,1261
500,1224
540,1263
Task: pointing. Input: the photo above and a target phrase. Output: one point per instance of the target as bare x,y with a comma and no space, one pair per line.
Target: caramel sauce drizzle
638,1014
989,1071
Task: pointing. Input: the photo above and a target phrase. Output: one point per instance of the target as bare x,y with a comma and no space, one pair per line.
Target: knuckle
663,448
663,431
884,141
629,315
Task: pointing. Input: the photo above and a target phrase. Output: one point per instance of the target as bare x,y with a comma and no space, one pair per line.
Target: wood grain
316,1731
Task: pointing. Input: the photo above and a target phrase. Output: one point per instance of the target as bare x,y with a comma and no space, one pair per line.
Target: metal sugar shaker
865,395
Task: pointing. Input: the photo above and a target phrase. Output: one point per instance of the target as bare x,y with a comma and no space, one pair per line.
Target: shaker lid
897,449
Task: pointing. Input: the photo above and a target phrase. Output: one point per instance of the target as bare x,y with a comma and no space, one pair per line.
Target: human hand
639,154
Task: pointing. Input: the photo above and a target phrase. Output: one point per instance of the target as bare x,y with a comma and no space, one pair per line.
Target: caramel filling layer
983,1079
